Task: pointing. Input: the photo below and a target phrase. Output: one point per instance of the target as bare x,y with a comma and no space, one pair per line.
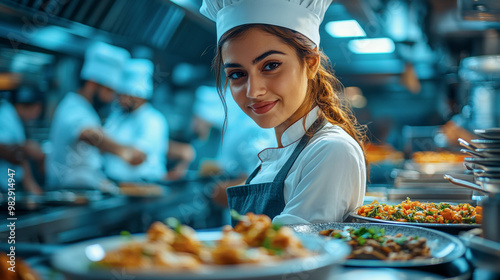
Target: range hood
157,24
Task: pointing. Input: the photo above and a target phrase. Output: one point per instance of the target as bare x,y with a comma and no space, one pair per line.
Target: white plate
74,260
444,247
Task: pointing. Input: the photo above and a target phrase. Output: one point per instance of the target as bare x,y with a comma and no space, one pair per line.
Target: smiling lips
262,107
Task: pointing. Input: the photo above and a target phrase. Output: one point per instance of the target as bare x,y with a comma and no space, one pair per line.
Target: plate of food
385,245
430,162
253,249
449,217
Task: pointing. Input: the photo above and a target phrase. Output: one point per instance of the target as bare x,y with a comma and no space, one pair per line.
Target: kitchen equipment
491,152
483,253
491,133
491,218
491,161
486,143
487,189
429,194
466,144
473,153
478,173
487,168
444,247
74,260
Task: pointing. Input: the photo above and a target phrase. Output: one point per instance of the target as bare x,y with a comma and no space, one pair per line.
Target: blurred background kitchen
418,73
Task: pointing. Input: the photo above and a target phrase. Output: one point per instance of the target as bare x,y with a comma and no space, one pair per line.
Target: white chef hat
103,64
303,16
208,106
137,79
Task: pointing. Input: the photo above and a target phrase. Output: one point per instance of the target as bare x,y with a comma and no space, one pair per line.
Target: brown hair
324,90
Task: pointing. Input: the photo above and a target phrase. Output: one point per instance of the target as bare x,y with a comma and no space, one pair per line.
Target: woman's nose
255,87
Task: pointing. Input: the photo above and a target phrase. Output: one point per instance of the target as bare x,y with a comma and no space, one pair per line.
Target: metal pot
491,218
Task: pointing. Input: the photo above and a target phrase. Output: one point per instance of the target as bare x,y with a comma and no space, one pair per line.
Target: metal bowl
445,248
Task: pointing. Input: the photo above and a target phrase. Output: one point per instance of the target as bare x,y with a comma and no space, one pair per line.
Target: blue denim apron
267,198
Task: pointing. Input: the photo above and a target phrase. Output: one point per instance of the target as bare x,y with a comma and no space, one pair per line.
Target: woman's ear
312,63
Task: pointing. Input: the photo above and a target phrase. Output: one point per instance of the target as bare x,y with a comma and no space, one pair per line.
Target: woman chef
269,53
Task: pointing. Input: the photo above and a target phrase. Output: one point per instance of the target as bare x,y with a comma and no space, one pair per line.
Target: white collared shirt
145,129
328,179
11,133
73,163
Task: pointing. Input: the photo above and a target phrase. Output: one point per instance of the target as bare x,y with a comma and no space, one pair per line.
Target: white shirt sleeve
153,134
82,121
330,184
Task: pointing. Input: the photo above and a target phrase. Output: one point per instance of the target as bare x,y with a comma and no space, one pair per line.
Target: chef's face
129,103
266,77
29,111
106,94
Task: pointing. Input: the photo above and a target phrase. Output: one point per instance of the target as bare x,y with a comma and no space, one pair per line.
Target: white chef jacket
326,182
11,133
145,129
243,140
73,163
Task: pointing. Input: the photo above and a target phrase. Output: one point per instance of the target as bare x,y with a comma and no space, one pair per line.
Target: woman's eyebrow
256,60
266,54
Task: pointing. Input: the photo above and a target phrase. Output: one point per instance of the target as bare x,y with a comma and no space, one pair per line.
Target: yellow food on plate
378,153
423,212
255,239
16,269
437,157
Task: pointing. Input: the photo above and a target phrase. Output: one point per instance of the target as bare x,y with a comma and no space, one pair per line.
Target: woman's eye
235,75
271,66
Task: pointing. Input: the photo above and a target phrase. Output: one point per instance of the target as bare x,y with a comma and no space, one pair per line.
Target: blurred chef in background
15,150
242,140
76,134
138,124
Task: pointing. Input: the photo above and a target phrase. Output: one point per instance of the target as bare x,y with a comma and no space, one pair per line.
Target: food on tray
176,247
15,269
140,189
372,244
378,153
437,157
420,212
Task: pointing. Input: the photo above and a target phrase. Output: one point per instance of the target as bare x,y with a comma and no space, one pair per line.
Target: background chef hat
303,16
208,106
103,64
137,79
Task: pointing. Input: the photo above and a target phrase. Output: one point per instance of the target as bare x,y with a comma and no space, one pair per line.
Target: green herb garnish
237,216
174,224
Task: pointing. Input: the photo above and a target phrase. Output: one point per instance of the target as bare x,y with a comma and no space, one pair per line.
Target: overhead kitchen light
344,28
371,46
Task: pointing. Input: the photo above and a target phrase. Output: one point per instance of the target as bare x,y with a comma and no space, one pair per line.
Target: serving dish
444,247
75,260
442,227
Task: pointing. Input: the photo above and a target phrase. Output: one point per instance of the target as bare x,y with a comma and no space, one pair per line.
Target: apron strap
317,125
254,173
